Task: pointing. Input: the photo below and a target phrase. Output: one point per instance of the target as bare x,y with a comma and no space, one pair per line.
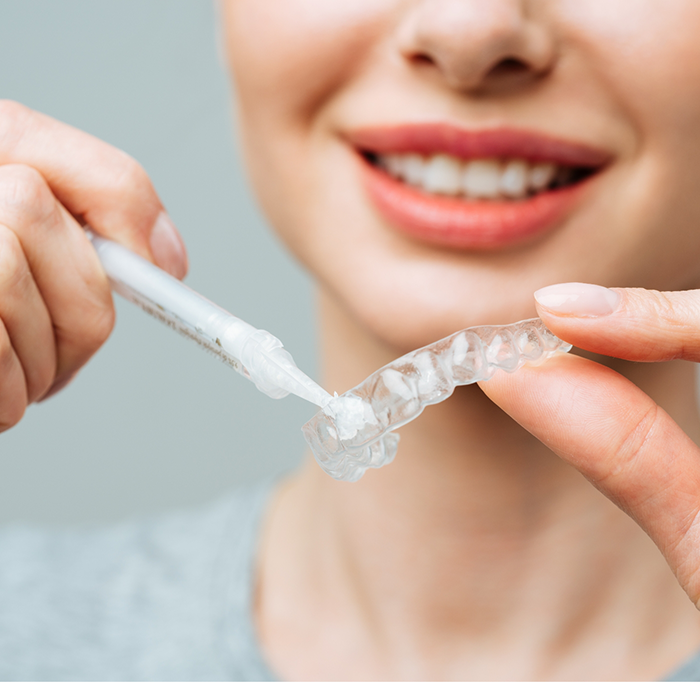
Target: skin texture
481,552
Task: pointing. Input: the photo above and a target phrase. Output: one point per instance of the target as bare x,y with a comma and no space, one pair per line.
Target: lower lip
464,224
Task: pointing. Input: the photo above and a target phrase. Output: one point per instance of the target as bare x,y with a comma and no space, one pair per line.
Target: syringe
254,353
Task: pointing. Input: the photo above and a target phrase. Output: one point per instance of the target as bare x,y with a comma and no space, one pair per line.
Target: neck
476,538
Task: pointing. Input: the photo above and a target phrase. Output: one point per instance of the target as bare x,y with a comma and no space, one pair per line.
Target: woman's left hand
607,427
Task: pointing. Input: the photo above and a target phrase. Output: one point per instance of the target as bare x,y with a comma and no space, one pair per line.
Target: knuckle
632,445
85,325
24,194
12,418
7,353
9,106
681,554
42,383
665,306
13,117
103,324
58,385
131,176
12,403
676,310
132,186
41,376
97,322
14,271
683,544
676,315
12,415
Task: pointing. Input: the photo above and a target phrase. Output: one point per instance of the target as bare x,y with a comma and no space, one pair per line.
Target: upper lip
501,142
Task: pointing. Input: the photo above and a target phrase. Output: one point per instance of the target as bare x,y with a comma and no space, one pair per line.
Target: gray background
153,422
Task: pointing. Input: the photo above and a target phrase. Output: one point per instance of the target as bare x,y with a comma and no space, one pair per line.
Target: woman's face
433,162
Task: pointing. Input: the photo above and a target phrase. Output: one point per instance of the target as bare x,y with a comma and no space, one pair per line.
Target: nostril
509,66
422,59
503,75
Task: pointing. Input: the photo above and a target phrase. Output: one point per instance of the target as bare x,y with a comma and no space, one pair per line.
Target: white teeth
414,169
541,174
443,175
476,179
482,179
394,163
514,179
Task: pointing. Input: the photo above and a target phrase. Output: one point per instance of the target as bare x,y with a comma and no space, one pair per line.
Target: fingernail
167,247
578,300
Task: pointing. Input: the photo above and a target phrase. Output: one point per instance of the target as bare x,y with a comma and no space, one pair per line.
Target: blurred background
154,422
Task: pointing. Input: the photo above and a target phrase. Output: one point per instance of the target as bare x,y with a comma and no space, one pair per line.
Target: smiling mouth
486,179
485,189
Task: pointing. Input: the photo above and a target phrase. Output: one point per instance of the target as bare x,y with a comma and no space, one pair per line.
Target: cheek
288,57
288,60
647,55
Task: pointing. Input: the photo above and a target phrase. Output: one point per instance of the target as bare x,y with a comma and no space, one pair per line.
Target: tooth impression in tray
354,431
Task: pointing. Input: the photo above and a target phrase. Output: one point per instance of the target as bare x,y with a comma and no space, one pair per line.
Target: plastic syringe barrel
254,353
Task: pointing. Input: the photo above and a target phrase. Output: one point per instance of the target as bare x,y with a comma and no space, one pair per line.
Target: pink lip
436,138
461,223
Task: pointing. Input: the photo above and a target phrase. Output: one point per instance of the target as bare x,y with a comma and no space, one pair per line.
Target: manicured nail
578,300
167,247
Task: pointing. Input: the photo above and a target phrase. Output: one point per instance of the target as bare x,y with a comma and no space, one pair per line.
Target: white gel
349,414
353,431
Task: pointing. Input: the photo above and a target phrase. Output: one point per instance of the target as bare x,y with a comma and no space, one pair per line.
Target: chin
421,311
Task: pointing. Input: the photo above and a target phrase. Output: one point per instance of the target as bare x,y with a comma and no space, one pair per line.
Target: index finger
631,324
101,185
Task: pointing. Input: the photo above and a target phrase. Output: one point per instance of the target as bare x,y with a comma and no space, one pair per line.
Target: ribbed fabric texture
168,598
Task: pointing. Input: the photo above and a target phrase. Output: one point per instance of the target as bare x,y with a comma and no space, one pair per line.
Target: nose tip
474,44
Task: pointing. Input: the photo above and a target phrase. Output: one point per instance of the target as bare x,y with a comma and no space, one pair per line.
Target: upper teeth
476,179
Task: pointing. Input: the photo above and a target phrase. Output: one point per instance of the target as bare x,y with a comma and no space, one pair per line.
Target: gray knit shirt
151,600
164,599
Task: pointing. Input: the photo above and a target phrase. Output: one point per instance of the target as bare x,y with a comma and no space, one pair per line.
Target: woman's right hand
56,308
606,426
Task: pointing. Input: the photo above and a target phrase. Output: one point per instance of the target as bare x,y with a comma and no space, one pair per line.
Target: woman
433,163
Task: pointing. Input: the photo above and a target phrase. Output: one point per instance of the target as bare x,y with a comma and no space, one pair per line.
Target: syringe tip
276,369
